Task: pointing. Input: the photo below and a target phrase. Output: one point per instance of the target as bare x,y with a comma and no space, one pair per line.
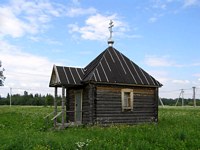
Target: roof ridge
110,66
96,63
69,67
99,62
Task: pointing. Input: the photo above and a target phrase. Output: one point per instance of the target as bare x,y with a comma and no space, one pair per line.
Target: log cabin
111,89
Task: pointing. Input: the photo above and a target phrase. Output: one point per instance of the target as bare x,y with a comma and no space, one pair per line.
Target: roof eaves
125,84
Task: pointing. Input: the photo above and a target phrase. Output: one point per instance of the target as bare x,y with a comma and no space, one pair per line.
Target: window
127,99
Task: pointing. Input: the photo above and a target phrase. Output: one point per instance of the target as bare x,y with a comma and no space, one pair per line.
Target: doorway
78,106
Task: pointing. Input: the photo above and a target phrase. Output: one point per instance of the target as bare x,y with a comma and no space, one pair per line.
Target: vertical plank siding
85,106
70,105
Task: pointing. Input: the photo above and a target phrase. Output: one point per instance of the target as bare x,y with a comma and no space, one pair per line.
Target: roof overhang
121,84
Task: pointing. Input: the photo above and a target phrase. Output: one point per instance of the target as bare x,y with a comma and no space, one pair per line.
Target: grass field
24,128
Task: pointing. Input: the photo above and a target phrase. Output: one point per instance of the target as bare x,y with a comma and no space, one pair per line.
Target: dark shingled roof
110,66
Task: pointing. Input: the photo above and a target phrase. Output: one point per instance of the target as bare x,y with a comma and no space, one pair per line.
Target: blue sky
161,36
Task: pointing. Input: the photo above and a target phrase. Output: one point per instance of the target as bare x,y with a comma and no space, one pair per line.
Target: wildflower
81,145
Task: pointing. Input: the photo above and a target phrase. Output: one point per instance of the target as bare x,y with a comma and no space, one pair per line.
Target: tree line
30,99
48,100
172,102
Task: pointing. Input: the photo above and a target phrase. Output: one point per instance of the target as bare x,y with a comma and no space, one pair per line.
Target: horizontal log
128,113
119,103
116,89
142,103
126,118
111,104
105,95
128,122
123,113
107,100
113,108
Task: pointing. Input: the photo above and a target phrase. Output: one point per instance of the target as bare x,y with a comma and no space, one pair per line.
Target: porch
66,115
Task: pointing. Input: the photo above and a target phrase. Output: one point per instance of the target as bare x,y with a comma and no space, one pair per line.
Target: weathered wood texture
156,104
88,98
109,107
86,106
55,105
70,105
102,104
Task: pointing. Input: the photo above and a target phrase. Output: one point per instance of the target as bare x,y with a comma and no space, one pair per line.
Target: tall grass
24,128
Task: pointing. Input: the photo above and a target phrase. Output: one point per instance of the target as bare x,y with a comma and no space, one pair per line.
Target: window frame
127,108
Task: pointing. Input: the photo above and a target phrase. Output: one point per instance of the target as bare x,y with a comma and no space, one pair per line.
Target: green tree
49,99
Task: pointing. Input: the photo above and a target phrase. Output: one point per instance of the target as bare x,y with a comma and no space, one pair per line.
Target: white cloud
24,70
76,2
181,81
161,76
159,4
73,12
196,64
85,52
10,24
134,36
188,3
165,61
96,27
45,39
27,17
161,8
159,61
153,19
196,75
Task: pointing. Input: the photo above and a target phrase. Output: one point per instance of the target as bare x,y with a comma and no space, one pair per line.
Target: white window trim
122,99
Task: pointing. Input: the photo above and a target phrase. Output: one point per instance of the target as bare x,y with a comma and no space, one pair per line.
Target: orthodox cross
110,28
110,41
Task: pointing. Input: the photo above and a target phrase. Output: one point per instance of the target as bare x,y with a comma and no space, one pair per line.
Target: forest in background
172,102
30,99
44,100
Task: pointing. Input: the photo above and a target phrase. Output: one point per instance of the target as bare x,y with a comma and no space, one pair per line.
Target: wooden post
63,107
194,99
182,91
156,105
10,97
67,106
55,105
91,103
161,102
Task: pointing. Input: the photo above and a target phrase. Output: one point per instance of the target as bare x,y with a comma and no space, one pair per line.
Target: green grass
24,128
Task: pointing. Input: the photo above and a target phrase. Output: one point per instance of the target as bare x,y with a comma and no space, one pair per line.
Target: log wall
102,104
88,104
109,107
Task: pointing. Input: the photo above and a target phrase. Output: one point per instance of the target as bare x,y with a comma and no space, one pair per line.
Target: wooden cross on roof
110,28
110,41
